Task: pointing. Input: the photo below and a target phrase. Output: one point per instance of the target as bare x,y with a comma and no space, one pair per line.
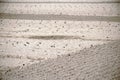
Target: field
59,40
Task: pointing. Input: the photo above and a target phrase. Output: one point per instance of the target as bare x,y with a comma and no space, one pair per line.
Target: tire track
57,37
20,57
60,1
59,17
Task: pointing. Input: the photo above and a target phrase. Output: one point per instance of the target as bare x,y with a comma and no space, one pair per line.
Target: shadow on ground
100,62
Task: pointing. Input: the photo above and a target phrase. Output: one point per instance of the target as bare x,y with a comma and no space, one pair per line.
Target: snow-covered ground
59,41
